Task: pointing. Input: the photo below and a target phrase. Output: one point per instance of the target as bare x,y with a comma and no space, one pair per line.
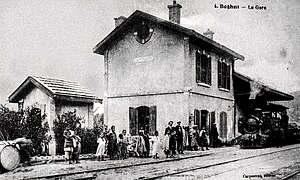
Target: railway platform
52,167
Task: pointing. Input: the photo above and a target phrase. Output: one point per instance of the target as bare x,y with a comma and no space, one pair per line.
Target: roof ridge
56,88
63,87
174,26
55,79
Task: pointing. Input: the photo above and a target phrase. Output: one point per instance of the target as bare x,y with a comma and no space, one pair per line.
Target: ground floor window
201,118
142,118
223,125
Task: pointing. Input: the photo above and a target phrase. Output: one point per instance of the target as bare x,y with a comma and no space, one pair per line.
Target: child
122,145
167,143
101,147
155,141
76,148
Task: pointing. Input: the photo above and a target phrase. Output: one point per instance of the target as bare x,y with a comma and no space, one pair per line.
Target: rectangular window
223,75
203,68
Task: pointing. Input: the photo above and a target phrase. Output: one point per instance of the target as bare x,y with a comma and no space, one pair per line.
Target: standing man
147,143
172,142
179,137
214,135
112,143
126,140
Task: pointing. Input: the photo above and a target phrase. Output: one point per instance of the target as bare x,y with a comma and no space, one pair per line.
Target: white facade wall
217,105
39,99
135,75
170,107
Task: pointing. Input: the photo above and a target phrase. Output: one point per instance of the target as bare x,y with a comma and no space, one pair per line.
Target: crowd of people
178,138
175,141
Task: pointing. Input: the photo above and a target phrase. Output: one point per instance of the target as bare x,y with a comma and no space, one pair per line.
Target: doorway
142,118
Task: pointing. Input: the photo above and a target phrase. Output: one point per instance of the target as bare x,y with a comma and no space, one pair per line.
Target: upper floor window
223,74
203,67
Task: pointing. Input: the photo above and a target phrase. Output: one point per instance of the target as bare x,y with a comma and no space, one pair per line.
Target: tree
28,122
88,136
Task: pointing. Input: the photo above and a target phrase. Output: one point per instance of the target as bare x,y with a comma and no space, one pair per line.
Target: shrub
27,122
88,136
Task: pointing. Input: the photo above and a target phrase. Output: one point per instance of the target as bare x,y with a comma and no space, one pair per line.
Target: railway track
183,170
92,174
88,172
291,176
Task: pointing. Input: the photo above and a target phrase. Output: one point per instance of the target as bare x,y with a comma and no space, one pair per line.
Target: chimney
174,12
209,34
119,20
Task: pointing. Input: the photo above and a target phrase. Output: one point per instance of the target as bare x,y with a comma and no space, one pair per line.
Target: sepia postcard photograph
150,89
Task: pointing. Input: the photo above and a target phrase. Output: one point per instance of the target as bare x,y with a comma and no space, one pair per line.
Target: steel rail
156,176
290,175
179,171
58,175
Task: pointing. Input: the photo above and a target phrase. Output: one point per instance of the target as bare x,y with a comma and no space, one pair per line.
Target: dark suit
179,138
172,143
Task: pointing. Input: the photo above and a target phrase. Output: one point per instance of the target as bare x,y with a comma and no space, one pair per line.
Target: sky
55,38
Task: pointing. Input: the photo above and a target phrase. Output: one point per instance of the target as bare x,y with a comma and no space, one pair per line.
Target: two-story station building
157,71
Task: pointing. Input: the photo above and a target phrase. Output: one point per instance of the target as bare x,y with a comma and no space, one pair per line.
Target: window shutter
203,68
228,76
209,71
212,118
152,122
223,78
133,121
197,117
223,125
219,73
198,70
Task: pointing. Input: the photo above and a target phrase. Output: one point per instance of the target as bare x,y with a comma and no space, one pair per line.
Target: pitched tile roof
56,88
63,87
128,23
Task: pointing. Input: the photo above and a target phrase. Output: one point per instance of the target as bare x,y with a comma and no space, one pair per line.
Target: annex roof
119,30
242,86
56,88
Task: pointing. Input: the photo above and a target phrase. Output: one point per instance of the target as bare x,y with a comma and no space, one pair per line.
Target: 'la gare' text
235,6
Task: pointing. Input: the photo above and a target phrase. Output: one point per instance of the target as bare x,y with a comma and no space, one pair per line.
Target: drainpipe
106,93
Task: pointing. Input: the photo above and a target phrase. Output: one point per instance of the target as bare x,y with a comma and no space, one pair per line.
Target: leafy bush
27,122
88,136
89,140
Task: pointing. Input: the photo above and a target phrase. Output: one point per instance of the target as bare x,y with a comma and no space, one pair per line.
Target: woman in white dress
167,142
101,147
155,140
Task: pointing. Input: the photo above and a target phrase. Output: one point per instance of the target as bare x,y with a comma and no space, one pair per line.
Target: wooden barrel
9,156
